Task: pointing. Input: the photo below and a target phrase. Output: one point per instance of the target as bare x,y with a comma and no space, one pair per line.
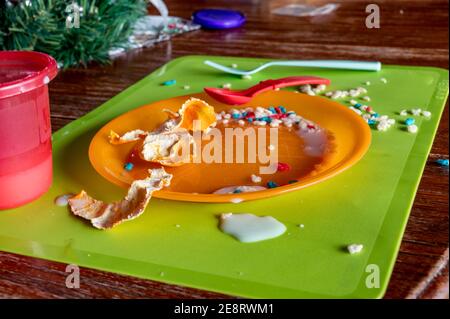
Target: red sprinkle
133,156
310,126
369,109
283,167
250,115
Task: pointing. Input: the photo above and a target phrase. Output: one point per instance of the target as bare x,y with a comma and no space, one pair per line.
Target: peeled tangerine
105,216
165,143
169,149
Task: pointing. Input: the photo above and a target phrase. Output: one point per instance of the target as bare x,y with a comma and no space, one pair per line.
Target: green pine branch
41,26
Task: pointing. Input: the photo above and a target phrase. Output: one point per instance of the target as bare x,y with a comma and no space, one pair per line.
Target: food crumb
255,178
186,87
226,86
412,128
367,83
234,66
301,226
355,248
246,77
403,113
426,113
384,80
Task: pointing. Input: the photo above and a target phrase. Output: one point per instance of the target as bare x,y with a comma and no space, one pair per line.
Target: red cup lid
23,71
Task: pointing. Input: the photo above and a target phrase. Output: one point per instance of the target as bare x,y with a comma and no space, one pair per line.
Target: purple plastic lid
218,18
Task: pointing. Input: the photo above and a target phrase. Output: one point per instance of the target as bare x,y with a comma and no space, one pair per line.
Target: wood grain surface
411,33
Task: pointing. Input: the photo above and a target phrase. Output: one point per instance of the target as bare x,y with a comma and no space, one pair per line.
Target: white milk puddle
239,189
249,228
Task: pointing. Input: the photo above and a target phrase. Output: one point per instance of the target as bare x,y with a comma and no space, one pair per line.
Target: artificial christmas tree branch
49,26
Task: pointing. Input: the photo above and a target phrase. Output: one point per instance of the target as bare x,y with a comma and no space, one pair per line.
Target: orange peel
195,111
106,216
128,137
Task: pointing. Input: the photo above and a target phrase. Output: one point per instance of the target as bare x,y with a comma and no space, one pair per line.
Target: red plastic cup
25,130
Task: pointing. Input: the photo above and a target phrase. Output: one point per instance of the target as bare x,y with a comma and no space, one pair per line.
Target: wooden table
411,33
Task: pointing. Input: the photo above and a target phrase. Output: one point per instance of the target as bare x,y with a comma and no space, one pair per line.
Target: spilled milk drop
63,200
249,228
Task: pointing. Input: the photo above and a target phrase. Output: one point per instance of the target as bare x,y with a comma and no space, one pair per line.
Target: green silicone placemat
367,204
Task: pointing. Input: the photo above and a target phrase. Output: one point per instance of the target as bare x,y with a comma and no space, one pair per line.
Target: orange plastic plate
350,138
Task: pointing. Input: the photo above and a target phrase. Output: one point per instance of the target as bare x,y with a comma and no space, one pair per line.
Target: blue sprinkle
371,122
282,109
237,191
410,121
169,82
128,166
250,120
442,162
244,114
271,184
235,115
272,109
357,105
375,115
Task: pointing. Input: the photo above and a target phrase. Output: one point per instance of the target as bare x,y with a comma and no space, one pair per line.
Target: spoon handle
331,64
284,82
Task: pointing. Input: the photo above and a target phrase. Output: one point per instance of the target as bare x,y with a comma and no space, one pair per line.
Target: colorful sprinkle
272,184
128,166
410,121
442,162
283,167
169,82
